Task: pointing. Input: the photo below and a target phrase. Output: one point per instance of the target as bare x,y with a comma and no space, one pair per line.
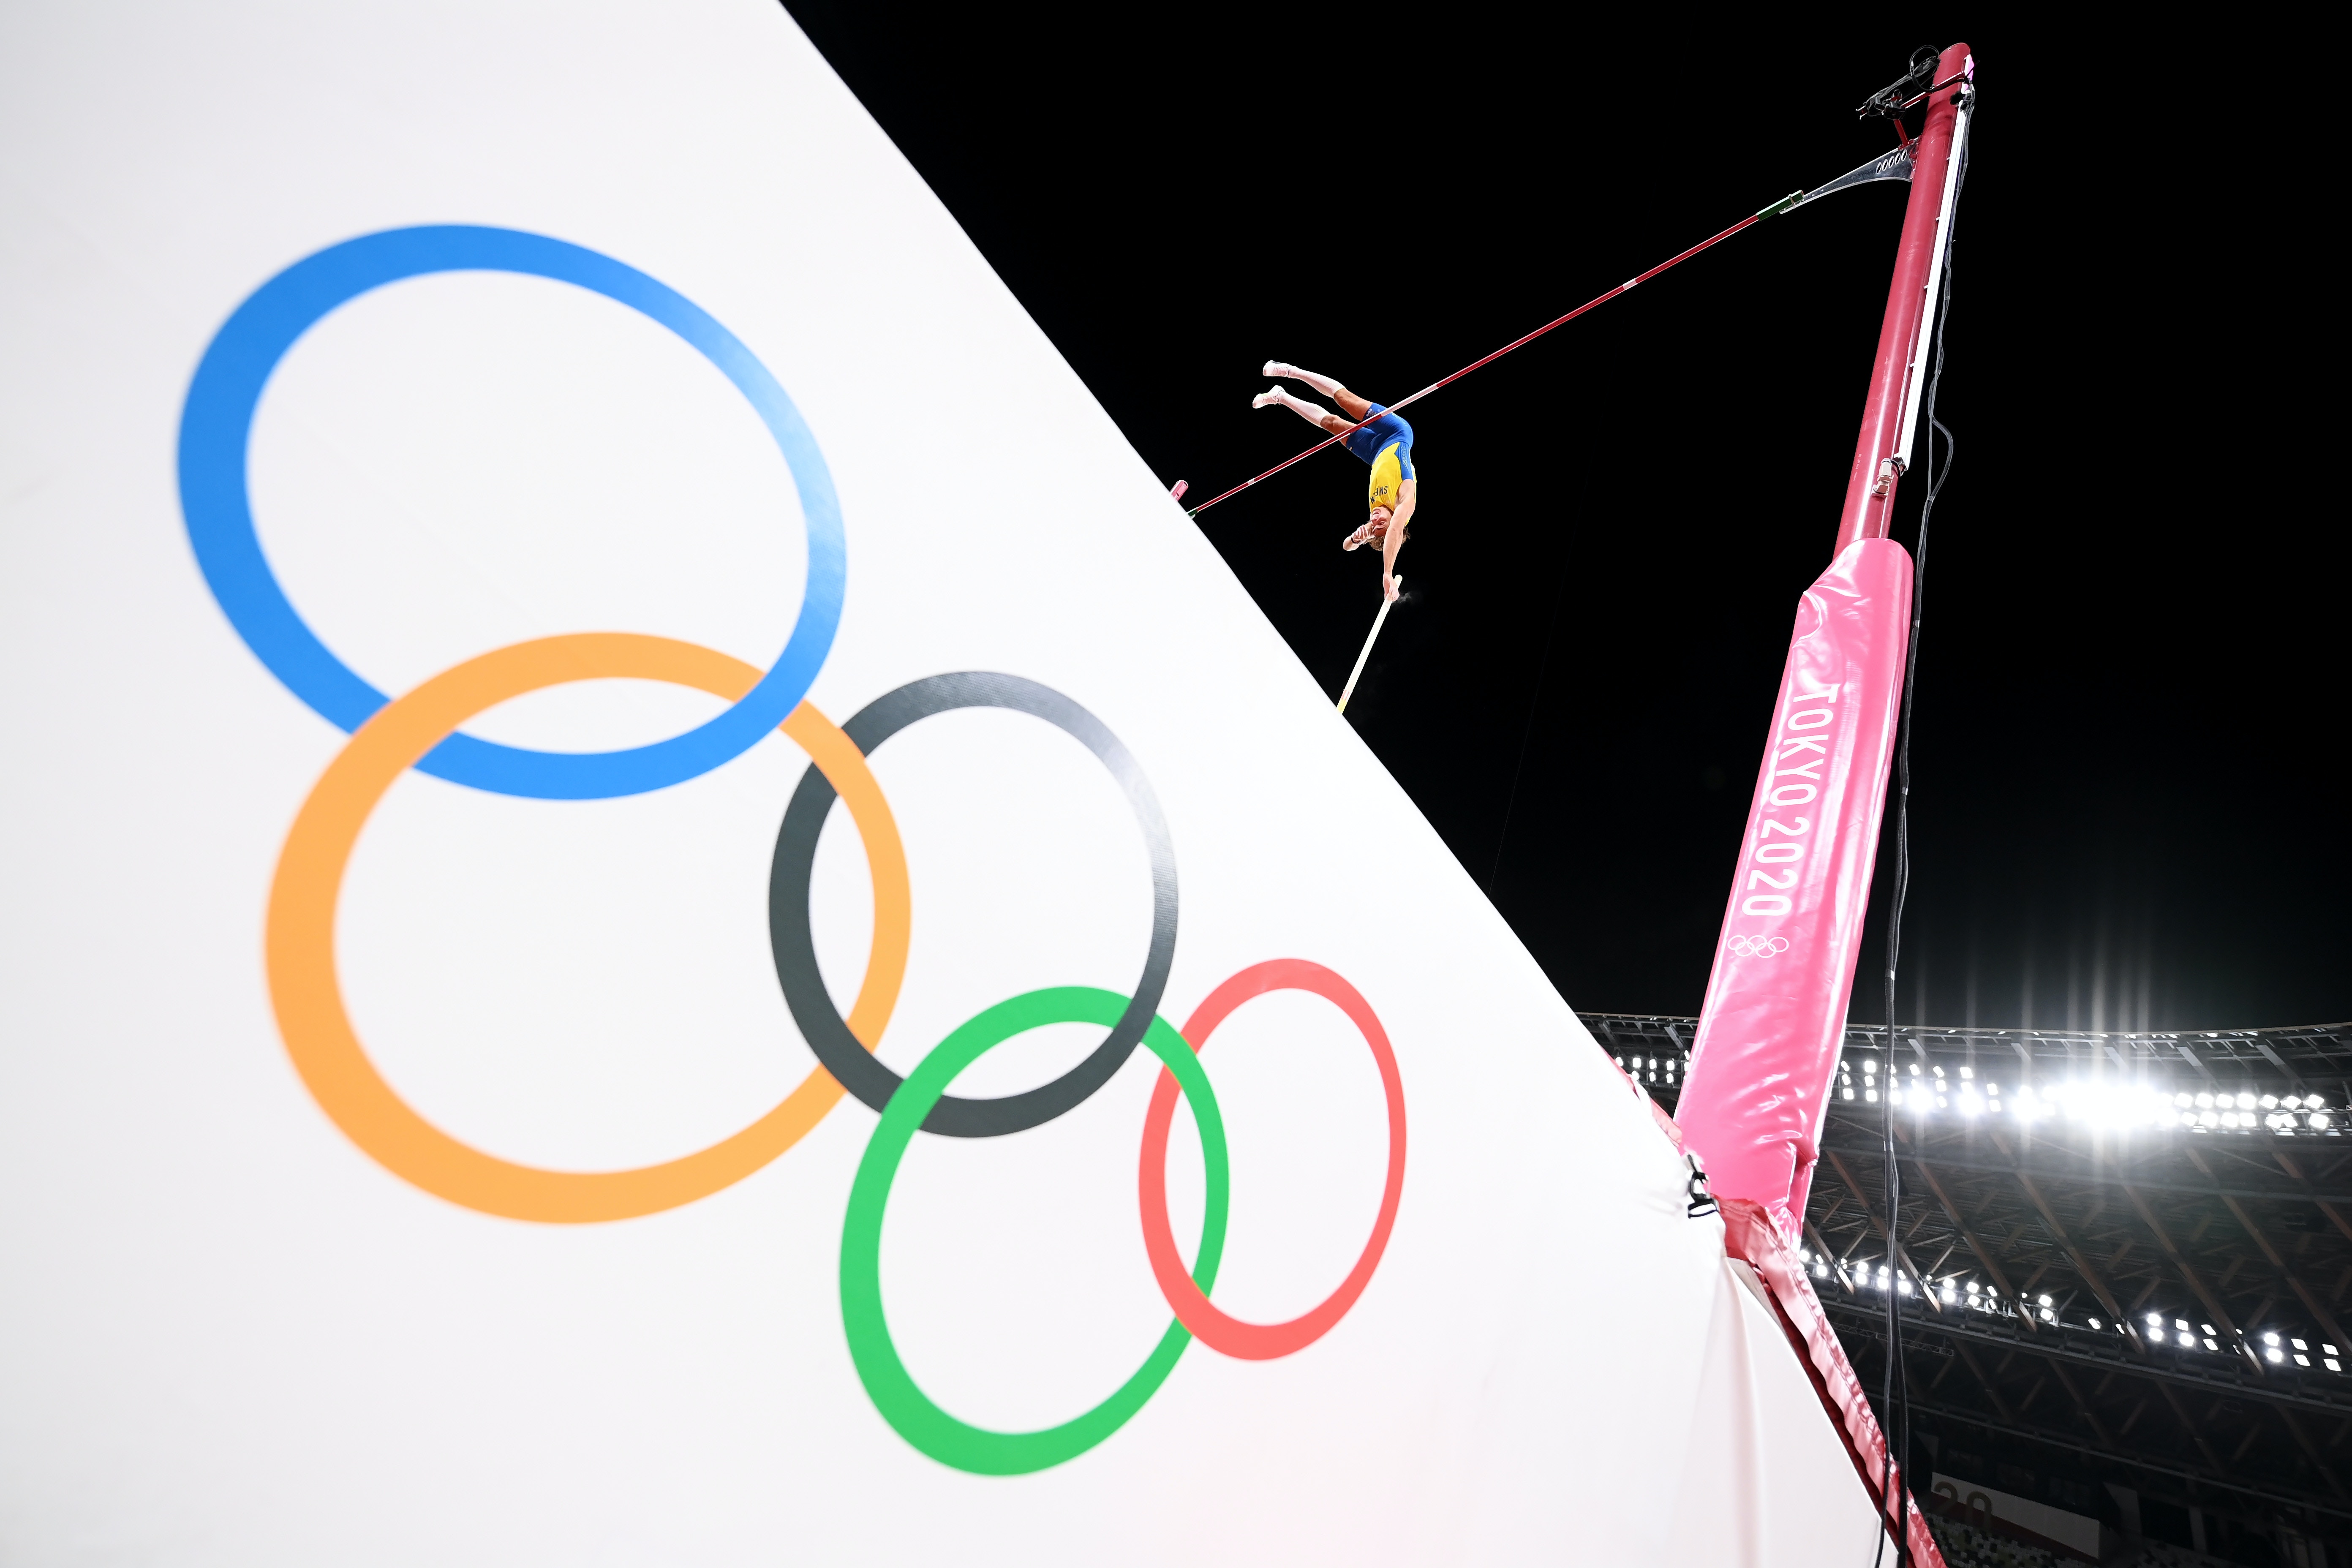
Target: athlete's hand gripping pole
1349,690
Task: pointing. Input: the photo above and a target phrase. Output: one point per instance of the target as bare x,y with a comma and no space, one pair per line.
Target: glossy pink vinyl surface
1770,1030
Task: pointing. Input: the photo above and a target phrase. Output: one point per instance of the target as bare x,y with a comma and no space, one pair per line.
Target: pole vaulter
1774,1019
1896,166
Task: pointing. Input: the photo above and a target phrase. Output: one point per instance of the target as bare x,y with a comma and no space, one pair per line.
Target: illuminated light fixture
2205,1102
1902,1286
2303,1361
2319,1118
1948,1295
2327,1350
2095,1322
2182,1324
2182,1099
2332,1365
2245,1102
1849,1094
1872,1096
1869,1065
2270,1339
2041,1301
2048,1316
2209,1118
2270,1102
2207,1326
2274,1355
2298,1344
2211,1346
2155,1320
2292,1100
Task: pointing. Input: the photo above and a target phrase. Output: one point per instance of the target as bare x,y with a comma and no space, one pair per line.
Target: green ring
887,1383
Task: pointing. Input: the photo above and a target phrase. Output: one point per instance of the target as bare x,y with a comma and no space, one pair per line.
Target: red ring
1264,1342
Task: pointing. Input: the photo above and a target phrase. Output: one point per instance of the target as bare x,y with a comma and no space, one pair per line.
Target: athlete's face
1381,516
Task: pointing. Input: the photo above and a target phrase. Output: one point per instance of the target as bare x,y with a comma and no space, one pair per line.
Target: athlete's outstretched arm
1392,540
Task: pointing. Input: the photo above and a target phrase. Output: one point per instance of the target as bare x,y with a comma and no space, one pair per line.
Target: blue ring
217,426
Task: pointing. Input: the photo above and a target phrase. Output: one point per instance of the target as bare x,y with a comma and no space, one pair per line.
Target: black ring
795,952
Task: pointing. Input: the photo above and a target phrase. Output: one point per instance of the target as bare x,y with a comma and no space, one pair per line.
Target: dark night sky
2129,763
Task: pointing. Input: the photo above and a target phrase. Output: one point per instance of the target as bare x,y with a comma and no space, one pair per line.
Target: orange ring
308,996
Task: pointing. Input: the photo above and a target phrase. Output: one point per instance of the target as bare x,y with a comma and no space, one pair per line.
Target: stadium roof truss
2135,1249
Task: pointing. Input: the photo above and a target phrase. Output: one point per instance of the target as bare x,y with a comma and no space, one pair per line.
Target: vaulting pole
1378,621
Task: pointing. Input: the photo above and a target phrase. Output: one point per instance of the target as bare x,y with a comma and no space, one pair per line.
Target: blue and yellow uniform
1386,443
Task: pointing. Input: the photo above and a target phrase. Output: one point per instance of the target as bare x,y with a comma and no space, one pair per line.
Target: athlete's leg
1353,407
1322,419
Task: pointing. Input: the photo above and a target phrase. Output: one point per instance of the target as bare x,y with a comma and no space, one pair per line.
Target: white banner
442,445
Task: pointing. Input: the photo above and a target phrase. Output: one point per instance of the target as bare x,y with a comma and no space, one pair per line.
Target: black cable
1898,1383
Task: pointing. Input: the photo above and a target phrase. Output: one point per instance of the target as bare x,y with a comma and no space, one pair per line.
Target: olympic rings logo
422,730
1758,946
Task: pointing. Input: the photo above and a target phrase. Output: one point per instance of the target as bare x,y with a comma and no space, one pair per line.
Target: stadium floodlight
2298,1344
2273,1354
2156,1321
2270,1339
2205,1102
2303,1361
2094,1323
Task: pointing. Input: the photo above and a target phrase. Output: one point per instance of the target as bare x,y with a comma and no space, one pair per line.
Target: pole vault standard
1772,1025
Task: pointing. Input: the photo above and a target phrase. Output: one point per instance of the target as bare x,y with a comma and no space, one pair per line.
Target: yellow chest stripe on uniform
1388,477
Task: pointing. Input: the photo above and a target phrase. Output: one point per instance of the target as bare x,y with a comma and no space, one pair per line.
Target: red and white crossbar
1630,283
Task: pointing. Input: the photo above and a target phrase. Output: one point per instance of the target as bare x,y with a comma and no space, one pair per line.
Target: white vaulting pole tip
1349,690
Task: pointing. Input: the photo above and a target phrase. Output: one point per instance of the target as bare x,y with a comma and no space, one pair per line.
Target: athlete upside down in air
1385,442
